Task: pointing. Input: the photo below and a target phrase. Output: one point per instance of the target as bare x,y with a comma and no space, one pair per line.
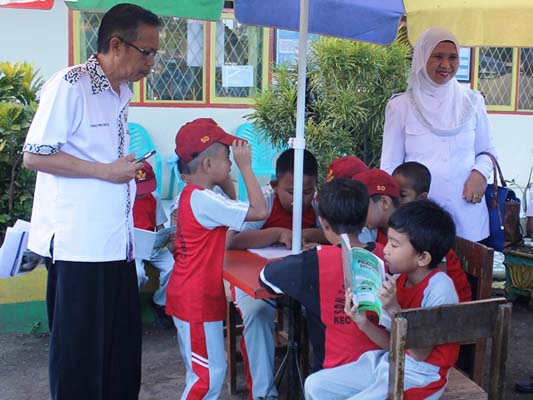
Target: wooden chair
476,260
234,329
427,327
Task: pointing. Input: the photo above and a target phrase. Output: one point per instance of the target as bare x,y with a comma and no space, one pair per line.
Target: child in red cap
148,214
384,199
345,167
195,293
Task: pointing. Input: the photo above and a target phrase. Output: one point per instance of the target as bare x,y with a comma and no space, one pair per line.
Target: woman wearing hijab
444,125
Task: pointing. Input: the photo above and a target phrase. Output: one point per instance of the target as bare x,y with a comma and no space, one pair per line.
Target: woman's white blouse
450,159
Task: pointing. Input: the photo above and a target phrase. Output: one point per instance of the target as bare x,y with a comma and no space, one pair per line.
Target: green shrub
348,86
19,85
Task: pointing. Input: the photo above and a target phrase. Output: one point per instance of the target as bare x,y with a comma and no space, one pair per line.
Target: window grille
238,59
89,23
179,66
525,80
495,75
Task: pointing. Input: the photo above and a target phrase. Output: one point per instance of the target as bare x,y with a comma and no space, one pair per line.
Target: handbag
504,210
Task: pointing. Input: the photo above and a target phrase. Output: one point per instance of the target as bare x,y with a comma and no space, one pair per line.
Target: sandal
525,386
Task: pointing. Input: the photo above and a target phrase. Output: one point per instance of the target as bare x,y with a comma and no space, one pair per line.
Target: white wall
41,37
36,36
513,136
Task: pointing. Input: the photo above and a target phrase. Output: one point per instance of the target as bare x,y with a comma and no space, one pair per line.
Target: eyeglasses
145,52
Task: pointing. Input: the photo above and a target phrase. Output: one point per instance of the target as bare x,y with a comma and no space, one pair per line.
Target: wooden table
242,269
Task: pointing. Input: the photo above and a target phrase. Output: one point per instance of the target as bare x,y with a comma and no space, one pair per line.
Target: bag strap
493,201
496,168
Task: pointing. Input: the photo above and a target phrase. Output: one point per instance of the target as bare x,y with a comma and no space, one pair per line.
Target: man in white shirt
82,212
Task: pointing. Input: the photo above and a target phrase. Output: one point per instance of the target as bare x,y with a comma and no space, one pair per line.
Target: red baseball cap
378,181
145,180
196,136
345,167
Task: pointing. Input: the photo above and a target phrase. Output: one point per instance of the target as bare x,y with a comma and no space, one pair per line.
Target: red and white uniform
195,293
148,213
458,276
144,212
367,378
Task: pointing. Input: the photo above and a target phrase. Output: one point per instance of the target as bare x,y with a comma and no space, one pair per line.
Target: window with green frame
238,59
505,77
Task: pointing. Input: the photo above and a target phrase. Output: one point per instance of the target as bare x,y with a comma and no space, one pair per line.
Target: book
14,253
363,274
272,252
147,243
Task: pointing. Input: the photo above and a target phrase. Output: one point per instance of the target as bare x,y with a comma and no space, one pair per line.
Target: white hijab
444,109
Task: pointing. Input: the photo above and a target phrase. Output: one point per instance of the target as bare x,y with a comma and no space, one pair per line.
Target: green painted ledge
23,302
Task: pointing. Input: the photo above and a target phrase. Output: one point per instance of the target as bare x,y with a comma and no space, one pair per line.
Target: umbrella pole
294,376
298,143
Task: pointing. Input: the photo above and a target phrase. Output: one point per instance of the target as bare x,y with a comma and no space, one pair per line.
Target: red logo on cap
141,175
330,176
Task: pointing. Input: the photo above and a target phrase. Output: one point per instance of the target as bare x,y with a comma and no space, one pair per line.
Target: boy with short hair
148,214
258,315
345,167
384,200
414,180
420,233
315,277
195,293
277,227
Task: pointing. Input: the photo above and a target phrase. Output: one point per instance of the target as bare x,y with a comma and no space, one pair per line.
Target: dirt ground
24,375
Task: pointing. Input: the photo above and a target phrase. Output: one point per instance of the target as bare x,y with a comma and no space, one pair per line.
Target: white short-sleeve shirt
88,219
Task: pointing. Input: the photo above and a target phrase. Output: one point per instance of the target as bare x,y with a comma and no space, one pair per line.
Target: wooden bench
464,322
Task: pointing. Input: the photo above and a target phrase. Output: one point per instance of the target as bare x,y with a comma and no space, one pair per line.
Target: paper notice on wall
237,76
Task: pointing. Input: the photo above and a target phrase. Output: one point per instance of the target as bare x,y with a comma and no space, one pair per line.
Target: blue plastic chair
175,176
141,143
263,155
